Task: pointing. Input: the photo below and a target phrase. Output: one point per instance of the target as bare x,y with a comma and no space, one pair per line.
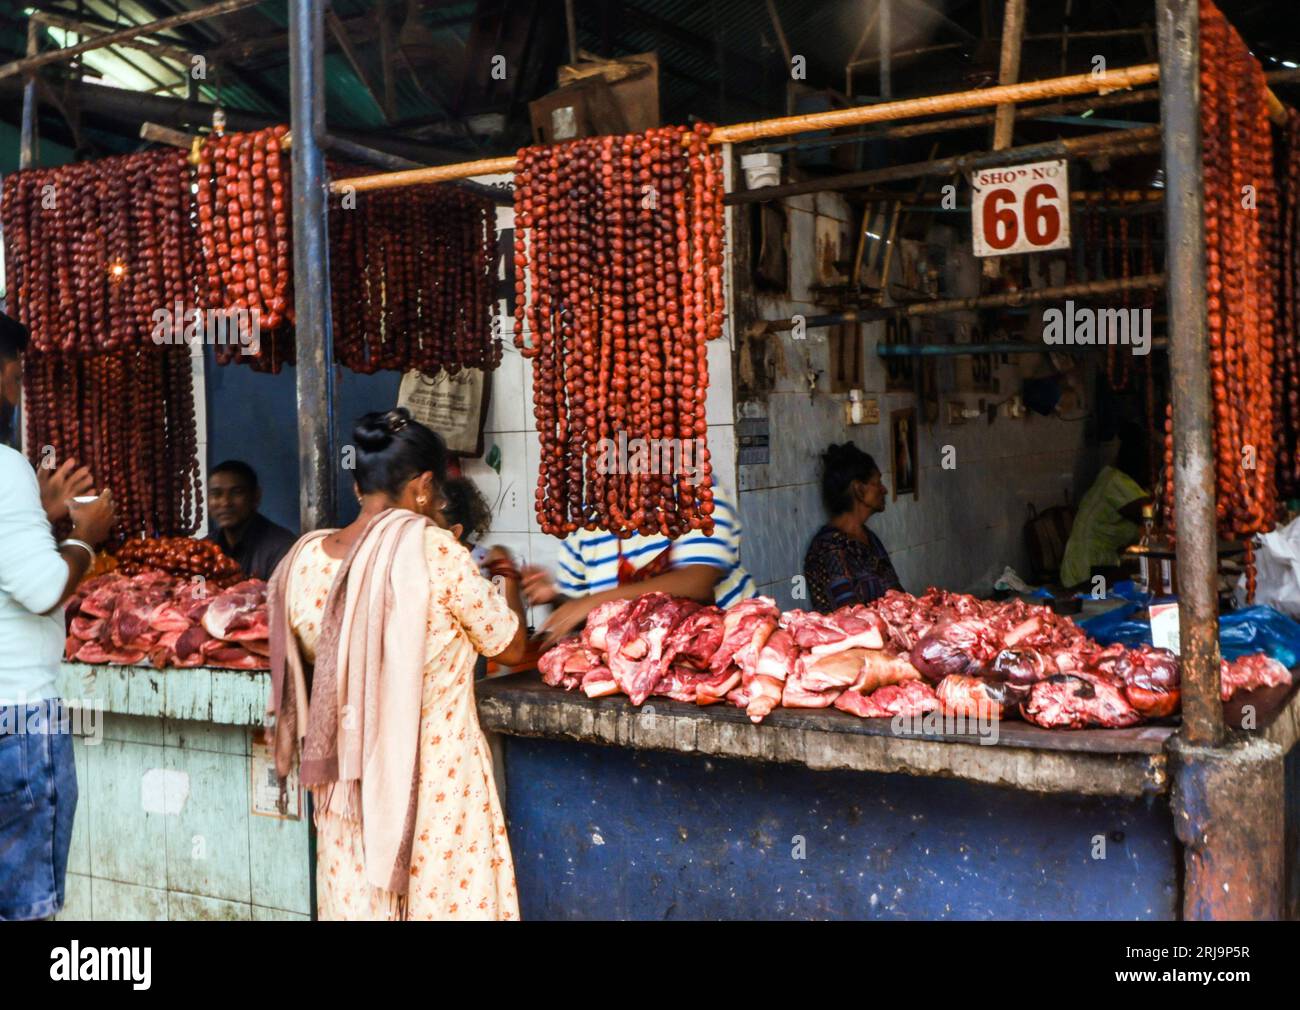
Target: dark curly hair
467,506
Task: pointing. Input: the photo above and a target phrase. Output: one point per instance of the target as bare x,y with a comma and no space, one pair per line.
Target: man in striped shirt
596,566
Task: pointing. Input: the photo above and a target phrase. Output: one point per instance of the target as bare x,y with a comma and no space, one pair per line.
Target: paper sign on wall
1021,208
269,800
454,406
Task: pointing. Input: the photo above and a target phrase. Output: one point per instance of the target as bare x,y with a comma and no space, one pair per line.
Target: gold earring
421,500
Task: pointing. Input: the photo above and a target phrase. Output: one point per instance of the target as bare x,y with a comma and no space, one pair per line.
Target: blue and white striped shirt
589,560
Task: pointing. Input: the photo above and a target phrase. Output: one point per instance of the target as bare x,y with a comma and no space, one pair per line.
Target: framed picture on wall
902,452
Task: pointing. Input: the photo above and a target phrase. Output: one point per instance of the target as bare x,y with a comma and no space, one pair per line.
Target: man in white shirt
38,781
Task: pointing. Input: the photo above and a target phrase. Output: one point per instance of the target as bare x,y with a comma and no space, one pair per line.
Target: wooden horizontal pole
1028,91
1123,142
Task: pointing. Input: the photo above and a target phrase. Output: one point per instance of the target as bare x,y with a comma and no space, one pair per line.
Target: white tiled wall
966,523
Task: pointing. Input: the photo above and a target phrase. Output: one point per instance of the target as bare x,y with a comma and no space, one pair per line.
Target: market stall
929,755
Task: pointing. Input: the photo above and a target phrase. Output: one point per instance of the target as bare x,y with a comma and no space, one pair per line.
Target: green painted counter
165,825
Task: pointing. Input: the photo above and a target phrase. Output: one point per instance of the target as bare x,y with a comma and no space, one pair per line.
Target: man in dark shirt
242,532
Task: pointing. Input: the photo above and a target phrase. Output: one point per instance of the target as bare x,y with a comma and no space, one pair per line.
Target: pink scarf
361,730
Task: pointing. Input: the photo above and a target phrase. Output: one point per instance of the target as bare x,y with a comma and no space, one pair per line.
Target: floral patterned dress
460,855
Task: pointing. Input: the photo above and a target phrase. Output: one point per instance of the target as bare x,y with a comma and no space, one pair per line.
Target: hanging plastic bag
1277,571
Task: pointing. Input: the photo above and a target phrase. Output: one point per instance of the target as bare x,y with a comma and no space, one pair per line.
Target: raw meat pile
903,655
158,618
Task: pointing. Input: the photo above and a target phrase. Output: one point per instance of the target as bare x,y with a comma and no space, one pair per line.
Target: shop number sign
1021,208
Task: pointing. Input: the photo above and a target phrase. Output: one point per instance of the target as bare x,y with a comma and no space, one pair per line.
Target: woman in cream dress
459,855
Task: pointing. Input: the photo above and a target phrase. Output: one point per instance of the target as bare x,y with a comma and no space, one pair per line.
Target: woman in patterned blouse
846,563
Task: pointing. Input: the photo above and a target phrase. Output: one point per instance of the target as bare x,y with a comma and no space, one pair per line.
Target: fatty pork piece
745,630
1078,700
964,647
1247,673
979,698
826,634
1151,680
908,699
712,687
635,641
566,663
599,621
238,613
765,680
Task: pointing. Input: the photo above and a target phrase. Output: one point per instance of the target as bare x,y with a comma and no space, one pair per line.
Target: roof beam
30,63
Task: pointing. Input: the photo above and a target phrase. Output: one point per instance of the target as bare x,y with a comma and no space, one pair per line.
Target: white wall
966,523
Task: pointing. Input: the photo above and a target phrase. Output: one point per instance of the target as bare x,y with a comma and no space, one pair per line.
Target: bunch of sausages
413,279
179,556
129,416
1286,384
618,279
1241,261
95,249
243,215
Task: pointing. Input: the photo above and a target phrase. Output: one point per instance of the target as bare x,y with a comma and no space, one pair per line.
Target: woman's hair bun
375,431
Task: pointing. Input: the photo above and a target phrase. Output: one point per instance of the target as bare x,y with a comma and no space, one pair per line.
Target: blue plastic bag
1241,633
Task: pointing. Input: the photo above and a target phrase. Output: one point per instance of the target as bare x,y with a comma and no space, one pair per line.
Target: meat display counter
673,810
178,816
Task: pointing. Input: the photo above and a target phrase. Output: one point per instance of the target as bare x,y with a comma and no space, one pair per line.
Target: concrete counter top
1119,762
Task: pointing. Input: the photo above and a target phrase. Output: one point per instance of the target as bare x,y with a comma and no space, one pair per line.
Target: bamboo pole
1029,91
1145,139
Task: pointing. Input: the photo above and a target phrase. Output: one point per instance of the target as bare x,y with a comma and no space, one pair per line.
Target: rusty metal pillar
1229,806
1189,367
1228,797
315,369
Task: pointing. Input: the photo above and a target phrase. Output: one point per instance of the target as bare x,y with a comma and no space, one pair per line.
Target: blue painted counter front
608,832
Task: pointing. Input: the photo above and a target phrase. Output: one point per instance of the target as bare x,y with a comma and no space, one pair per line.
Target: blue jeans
38,798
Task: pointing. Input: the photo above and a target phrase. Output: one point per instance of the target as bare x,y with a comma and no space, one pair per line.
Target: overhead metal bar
112,38
1143,140
1127,77
1003,299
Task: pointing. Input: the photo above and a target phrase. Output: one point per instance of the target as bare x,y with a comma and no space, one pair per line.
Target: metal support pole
315,371
28,141
1189,367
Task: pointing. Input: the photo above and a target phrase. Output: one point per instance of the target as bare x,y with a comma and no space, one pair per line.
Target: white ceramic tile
530,421
532,459
718,405
511,402
722,454
507,491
